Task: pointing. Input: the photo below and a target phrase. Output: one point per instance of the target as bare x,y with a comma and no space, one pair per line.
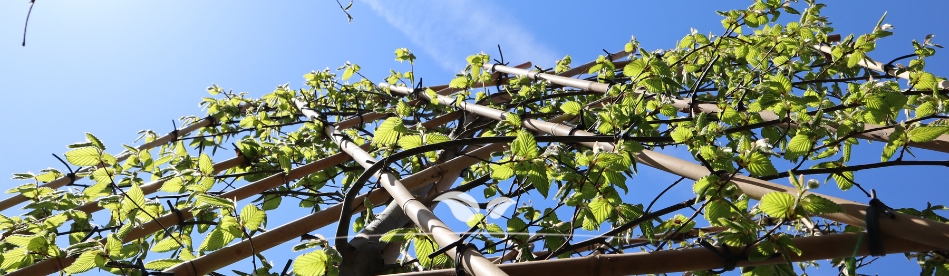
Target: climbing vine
763,98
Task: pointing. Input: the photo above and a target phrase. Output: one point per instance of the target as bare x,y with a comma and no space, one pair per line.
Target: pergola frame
904,233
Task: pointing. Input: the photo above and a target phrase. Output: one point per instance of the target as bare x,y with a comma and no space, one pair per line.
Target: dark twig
32,2
346,10
858,167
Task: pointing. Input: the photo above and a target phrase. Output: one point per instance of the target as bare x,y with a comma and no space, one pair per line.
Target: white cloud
449,31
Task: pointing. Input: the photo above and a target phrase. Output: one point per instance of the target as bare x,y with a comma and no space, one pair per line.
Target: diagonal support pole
472,260
904,226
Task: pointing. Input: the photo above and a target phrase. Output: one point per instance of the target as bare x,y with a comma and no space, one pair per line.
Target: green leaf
572,108
425,246
649,231
432,96
124,230
205,164
677,222
133,199
84,262
166,244
248,122
601,209
524,146
403,54
889,149
398,235
783,82
252,217
516,225
681,134
634,68
588,220
217,239
202,185
717,209
410,141
855,58
459,82
784,242
926,133
761,251
924,81
348,73
816,205
403,109
537,177
113,245
759,164
56,220
475,219
494,230
37,243
799,145
84,156
162,264
925,109
19,240
501,172
284,161
705,183
95,141
389,132
513,119
96,189
687,42
617,178
271,202
843,180
435,138
777,204
213,201
313,263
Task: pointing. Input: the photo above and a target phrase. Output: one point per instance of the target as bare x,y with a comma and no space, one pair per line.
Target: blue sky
113,68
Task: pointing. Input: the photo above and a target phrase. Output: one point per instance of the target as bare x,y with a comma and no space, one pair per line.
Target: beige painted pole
871,64
472,260
292,230
940,144
908,227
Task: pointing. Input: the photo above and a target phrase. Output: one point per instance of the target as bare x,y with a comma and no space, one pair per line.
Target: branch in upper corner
28,20
345,9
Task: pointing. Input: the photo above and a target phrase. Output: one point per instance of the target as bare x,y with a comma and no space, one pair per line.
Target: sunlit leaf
252,217
205,164
572,108
161,264
777,204
926,133
389,132
85,156
85,262
95,141
313,263
759,164
816,205
524,145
